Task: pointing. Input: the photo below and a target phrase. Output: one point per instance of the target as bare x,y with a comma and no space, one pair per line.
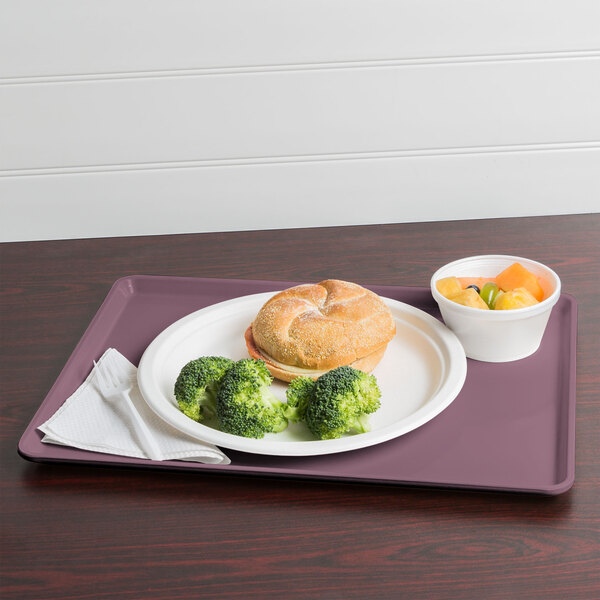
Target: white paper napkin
87,421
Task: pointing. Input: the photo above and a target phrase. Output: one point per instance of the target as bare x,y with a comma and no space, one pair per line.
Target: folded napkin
89,422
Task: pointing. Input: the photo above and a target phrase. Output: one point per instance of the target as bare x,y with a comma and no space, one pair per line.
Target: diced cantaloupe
465,282
517,298
546,286
448,287
470,297
517,276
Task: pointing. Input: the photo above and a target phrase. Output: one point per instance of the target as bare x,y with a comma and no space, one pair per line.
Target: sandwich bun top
316,327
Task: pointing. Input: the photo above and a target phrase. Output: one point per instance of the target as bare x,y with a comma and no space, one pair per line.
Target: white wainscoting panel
95,37
303,194
256,114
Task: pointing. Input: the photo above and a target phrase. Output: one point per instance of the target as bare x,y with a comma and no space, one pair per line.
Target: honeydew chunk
470,297
449,287
517,298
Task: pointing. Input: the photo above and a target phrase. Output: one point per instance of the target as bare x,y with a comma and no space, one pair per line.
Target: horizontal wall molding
274,160
315,114
325,66
69,37
309,194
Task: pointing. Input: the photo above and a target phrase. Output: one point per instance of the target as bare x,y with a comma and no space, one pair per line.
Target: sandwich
309,329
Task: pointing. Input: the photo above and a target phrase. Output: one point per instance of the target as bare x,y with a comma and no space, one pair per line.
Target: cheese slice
290,368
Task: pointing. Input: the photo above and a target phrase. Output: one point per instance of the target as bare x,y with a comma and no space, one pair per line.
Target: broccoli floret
342,400
245,404
298,395
197,384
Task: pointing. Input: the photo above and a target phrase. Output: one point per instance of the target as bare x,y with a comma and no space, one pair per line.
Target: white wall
125,117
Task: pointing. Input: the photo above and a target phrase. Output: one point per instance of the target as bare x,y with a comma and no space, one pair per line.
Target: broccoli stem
206,402
361,424
292,413
270,401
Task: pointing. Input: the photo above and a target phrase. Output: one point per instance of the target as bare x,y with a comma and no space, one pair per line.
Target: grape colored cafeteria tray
511,428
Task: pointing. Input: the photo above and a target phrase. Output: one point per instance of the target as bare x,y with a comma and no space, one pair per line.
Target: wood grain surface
92,533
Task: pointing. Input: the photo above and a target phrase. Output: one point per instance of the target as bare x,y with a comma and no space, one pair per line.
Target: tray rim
127,286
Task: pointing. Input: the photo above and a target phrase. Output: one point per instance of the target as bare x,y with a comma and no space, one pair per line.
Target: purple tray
511,428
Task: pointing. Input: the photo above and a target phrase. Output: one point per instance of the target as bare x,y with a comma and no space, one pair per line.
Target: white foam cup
497,335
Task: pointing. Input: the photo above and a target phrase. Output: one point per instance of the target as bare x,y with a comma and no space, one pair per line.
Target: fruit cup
497,335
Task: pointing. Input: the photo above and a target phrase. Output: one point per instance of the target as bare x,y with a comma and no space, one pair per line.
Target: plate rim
270,447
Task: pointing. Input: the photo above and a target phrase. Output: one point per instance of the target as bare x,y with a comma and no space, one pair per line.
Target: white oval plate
421,373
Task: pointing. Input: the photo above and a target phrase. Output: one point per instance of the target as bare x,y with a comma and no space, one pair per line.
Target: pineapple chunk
470,297
517,298
449,287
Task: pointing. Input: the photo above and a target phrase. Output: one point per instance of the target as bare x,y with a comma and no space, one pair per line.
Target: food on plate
309,329
515,287
197,384
338,402
341,402
245,404
239,395
298,395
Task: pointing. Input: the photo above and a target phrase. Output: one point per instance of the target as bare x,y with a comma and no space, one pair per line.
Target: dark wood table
73,531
